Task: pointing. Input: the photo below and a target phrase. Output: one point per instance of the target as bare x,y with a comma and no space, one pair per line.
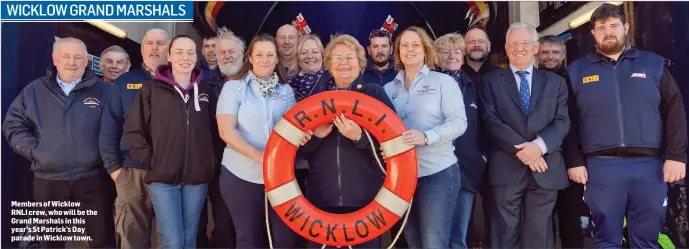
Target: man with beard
114,61
134,210
380,48
476,51
628,137
210,60
477,47
569,207
230,51
287,37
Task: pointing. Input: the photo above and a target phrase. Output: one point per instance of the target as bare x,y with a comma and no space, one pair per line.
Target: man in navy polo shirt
628,137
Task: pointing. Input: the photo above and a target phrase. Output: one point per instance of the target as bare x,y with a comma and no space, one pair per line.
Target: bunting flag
301,25
212,9
390,25
478,13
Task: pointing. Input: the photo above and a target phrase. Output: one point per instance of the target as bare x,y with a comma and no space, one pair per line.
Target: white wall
527,12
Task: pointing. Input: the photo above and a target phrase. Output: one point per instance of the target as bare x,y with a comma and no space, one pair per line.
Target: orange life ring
299,214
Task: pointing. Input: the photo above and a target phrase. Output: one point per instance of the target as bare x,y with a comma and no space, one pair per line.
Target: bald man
287,37
54,123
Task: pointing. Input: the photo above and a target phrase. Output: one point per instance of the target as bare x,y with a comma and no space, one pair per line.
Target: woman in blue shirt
249,106
431,106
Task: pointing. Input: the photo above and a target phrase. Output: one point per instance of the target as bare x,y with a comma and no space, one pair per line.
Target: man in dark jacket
210,59
133,207
476,50
380,48
54,123
569,207
628,136
230,52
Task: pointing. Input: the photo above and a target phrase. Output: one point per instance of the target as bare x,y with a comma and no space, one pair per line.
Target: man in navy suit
525,116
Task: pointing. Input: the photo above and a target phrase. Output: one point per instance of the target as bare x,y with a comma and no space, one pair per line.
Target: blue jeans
178,210
431,213
460,219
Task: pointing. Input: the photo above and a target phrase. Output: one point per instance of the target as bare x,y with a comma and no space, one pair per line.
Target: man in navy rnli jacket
54,123
134,210
628,137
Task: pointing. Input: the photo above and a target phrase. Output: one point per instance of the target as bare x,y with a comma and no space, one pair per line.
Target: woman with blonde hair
469,148
343,174
249,106
431,106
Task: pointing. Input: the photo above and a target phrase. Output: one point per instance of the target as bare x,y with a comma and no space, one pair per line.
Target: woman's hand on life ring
414,137
347,127
305,139
323,130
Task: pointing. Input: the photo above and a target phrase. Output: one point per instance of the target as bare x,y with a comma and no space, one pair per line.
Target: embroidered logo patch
426,89
203,97
590,79
134,86
641,75
473,104
91,102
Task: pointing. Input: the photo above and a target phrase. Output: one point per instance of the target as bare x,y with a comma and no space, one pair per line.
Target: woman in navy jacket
343,174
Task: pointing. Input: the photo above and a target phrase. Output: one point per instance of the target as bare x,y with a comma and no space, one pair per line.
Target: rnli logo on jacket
589,79
91,102
426,89
134,86
203,97
641,75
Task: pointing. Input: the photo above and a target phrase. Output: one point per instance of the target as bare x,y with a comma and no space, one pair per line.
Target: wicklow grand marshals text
100,10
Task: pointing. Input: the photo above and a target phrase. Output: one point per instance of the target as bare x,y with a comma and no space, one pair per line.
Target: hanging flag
390,25
301,25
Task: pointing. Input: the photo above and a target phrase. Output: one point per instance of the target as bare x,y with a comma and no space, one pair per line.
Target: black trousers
245,200
523,216
568,208
223,235
96,193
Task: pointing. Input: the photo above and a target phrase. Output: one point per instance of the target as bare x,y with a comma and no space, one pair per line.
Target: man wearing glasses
526,167
380,48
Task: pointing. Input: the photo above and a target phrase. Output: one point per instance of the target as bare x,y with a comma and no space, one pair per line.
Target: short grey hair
553,40
115,49
155,30
69,39
225,34
520,25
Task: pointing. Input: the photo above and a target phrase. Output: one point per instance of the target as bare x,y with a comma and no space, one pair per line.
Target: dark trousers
631,187
223,235
524,215
569,208
246,203
96,193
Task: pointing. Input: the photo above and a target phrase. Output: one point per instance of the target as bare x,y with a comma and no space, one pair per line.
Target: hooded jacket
58,133
342,172
113,149
169,130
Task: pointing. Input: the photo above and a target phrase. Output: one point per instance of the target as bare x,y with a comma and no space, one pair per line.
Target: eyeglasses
514,44
339,59
379,33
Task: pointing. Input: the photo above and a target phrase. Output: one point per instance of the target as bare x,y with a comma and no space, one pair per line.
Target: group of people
613,121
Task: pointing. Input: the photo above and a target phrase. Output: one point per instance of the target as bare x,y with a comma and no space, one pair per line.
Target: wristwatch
425,138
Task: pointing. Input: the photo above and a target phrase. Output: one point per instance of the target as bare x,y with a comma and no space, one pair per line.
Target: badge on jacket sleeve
134,86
